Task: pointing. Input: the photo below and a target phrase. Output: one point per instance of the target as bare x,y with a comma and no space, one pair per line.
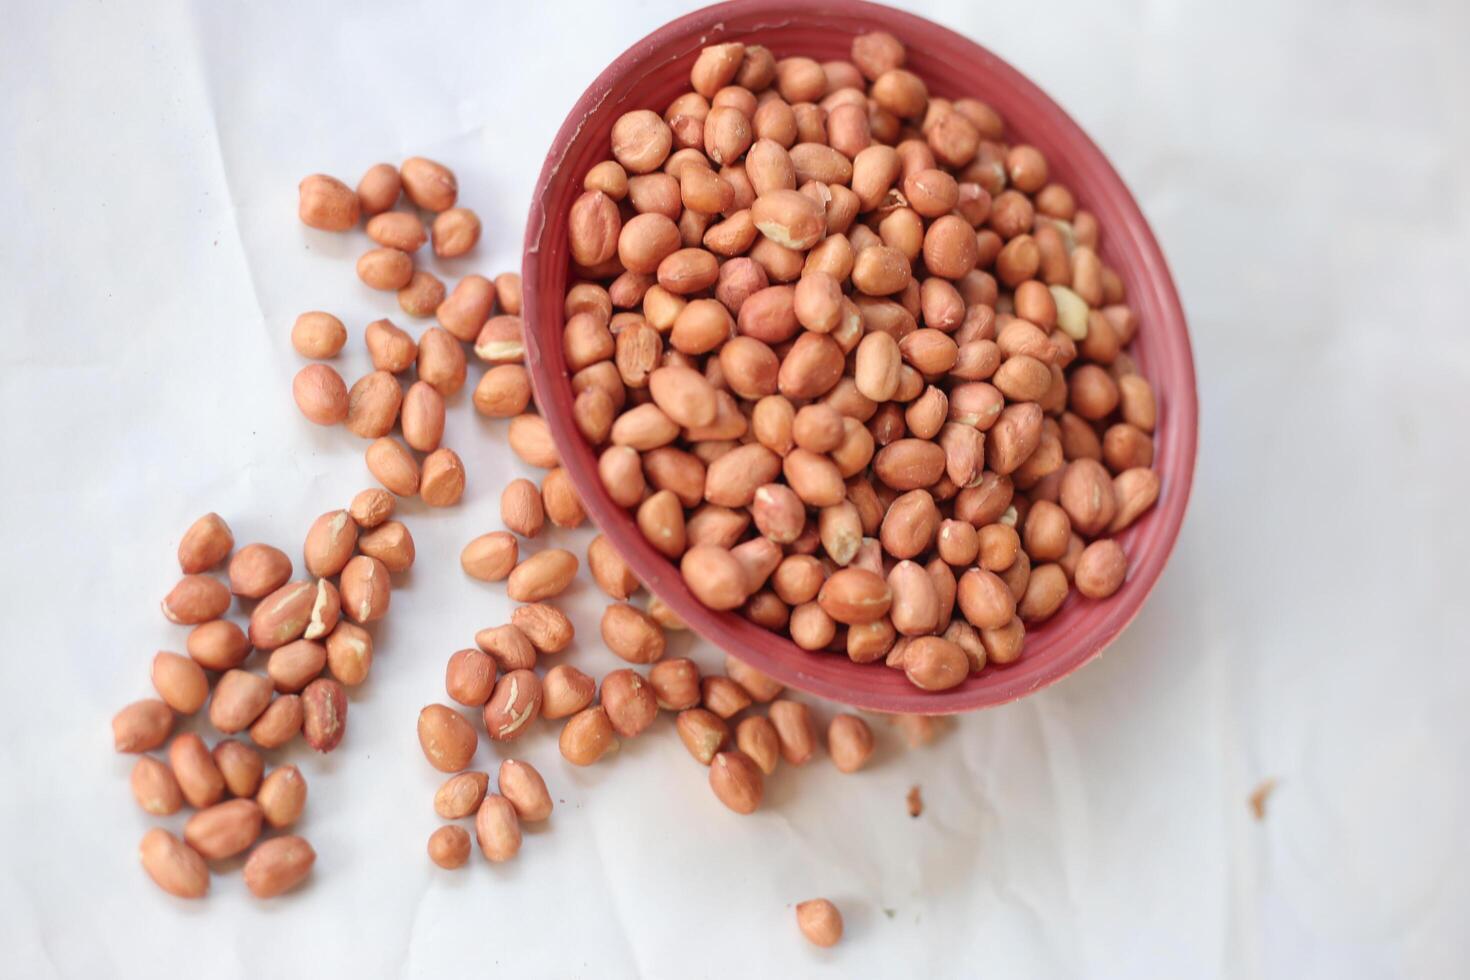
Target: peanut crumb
916,802
1259,796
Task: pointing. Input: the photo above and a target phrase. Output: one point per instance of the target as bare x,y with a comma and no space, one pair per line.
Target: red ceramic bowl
648,76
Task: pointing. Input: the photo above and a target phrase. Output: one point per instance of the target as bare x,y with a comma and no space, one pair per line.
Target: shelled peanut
820,921
854,362
314,641
417,464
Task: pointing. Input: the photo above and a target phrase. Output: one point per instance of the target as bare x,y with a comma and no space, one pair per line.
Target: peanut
422,417
934,663
449,847
1101,569
327,203
398,230
392,465
455,231
849,742
430,185
198,776
278,865
441,361
388,269
714,576
854,596
629,702
587,736
513,706
1135,491
631,634
173,865
560,499
390,543
392,351
326,610
723,696
819,921
503,392
330,543
1046,590
702,732
793,730
447,739
218,645
196,599
205,544
443,478
737,781
225,829
675,684
545,626
490,557
239,698
470,677
609,570
257,570
544,575
365,590
324,714
379,188
155,788
757,738
523,786
240,765
180,682
498,829
461,795
282,797
756,684
508,646
349,653
279,723
565,690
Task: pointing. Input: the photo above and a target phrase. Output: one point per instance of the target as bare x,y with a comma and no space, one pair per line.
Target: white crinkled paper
1304,168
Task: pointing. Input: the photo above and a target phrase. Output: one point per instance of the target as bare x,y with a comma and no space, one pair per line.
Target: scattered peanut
737,781
282,797
449,847
173,865
498,829
819,921
490,557
447,739
278,865
461,795
849,742
225,829
587,736
523,786
218,645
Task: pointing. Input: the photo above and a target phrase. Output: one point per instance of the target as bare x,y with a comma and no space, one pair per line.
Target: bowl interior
655,70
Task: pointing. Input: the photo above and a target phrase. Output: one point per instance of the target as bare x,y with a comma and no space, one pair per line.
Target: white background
1304,165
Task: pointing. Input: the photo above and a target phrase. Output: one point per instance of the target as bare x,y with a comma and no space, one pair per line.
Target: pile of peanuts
308,627
502,677
626,702
853,359
378,402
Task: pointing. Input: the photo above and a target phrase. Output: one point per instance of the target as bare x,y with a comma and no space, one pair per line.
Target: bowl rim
778,656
